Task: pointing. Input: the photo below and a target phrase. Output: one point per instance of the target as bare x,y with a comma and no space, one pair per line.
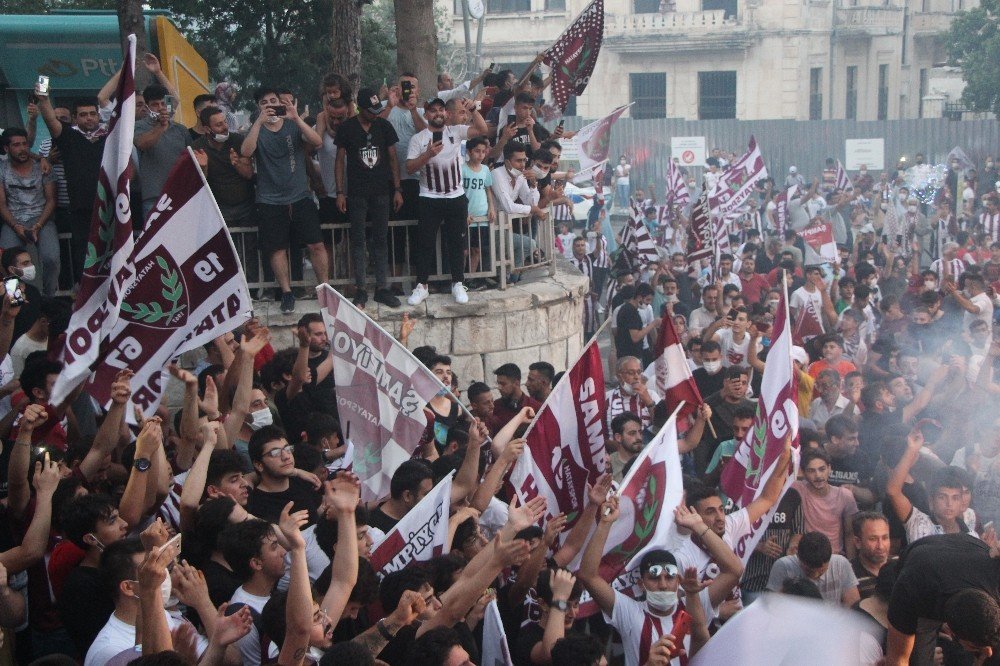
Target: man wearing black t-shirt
410,482
847,468
82,148
945,579
629,331
272,459
366,154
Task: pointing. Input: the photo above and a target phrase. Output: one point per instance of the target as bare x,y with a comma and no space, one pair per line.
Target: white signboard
570,151
870,152
688,150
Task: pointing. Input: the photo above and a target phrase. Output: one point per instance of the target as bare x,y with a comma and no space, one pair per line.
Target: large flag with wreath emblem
573,56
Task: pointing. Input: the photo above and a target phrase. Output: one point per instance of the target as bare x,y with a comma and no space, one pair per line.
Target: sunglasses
657,570
276,453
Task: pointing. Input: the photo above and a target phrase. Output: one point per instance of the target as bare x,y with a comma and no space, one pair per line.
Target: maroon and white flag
781,208
565,442
381,391
820,245
636,239
594,140
109,244
420,535
843,180
777,418
677,193
736,185
573,56
496,651
188,288
674,380
648,495
701,237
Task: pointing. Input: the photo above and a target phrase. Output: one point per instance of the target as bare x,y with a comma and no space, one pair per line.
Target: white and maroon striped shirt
586,266
955,268
441,177
619,403
990,224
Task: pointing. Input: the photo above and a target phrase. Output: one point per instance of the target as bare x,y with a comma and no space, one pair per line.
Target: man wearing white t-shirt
436,154
733,338
976,302
809,303
659,619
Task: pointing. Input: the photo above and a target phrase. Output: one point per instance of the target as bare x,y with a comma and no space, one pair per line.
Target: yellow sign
185,68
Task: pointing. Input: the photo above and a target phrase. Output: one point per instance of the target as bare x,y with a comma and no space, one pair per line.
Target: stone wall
538,319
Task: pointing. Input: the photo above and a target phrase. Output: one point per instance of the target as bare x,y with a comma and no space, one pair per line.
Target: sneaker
385,296
287,303
419,294
458,291
360,297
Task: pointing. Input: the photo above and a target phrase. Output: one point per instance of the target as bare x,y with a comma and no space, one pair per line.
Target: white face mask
220,138
261,418
28,273
930,284
515,172
712,367
661,601
773,304
539,171
167,592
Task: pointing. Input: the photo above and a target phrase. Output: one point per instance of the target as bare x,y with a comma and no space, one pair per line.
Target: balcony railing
931,22
514,245
873,20
671,22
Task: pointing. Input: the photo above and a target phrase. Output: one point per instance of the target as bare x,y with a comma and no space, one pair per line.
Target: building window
729,6
716,95
645,6
555,5
649,94
851,108
507,6
883,92
923,93
816,93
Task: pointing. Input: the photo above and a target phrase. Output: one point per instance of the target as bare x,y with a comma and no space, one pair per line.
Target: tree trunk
131,21
416,42
346,30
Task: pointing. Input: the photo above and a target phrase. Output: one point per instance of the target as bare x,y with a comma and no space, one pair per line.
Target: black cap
657,556
368,100
432,101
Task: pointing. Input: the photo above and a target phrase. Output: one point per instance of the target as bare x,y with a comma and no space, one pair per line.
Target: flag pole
565,376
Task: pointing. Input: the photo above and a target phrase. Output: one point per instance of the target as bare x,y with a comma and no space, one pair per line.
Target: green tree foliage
974,45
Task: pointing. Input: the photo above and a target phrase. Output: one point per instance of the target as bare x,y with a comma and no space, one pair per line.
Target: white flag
495,649
420,535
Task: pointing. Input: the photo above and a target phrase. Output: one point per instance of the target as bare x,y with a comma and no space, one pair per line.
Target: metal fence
805,144
502,251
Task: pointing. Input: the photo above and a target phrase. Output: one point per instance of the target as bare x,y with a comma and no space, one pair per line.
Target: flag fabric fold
636,240
594,140
109,243
574,54
781,208
843,180
677,193
496,651
777,418
420,535
381,391
565,442
188,288
674,380
701,238
736,185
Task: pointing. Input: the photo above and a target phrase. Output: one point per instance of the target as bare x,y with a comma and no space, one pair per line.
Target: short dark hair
320,425
619,422
154,92
14,131
812,454
432,648
440,359
801,587
476,389
512,147
840,425
241,542
9,256
262,92
392,587
744,412
734,371
35,374
255,447
117,564
81,514
815,549
524,98
83,102
545,369
974,616
310,318
708,345
577,650
699,492
409,476
224,462
509,370
954,478
347,653
860,518
475,142
202,99
205,115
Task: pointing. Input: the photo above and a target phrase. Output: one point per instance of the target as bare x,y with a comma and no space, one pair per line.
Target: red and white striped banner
843,180
674,380
565,447
420,535
781,208
736,185
677,193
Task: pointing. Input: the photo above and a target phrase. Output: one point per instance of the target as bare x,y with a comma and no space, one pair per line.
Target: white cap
792,169
799,354
868,229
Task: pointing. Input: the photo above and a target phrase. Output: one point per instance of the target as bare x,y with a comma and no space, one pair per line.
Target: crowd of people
230,530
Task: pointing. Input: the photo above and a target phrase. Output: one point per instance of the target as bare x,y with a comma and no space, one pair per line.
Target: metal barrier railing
512,245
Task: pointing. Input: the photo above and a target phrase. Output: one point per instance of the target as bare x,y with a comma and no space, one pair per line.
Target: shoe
419,294
476,284
287,303
385,296
360,297
458,291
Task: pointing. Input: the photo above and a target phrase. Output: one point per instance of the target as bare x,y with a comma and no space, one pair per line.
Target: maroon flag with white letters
188,288
737,184
565,447
573,56
701,237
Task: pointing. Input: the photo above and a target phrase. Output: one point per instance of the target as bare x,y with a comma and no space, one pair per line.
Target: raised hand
290,523
691,582
46,478
151,62
511,553
561,583
513,451
520,517
345,492
34,415
609,511
598,493
190,584
253,344
688,518
150,438
410,606
155,535
231,628
182,375
201,157
553,528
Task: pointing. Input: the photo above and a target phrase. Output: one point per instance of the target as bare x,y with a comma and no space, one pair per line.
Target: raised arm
897,479
589,574
692,438
506,433
133,503
467,477
730,566
299,602
243,367
346,491
197,478
18,491
922,399
577,537
48,114
495,474
107,435
36,538
771,493
555,625
152,573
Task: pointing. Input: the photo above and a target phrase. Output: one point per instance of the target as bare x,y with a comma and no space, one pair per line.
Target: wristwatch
141,464
560,605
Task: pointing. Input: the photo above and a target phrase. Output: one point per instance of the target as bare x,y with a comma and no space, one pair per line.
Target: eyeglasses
657,570
275,453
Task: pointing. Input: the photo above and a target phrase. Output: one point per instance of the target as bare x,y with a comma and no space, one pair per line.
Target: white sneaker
458,291
419,294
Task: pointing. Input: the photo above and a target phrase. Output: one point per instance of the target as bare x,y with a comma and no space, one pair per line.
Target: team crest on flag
573,56
157,297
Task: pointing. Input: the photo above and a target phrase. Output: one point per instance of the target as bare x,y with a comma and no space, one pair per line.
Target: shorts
479,236
279,225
